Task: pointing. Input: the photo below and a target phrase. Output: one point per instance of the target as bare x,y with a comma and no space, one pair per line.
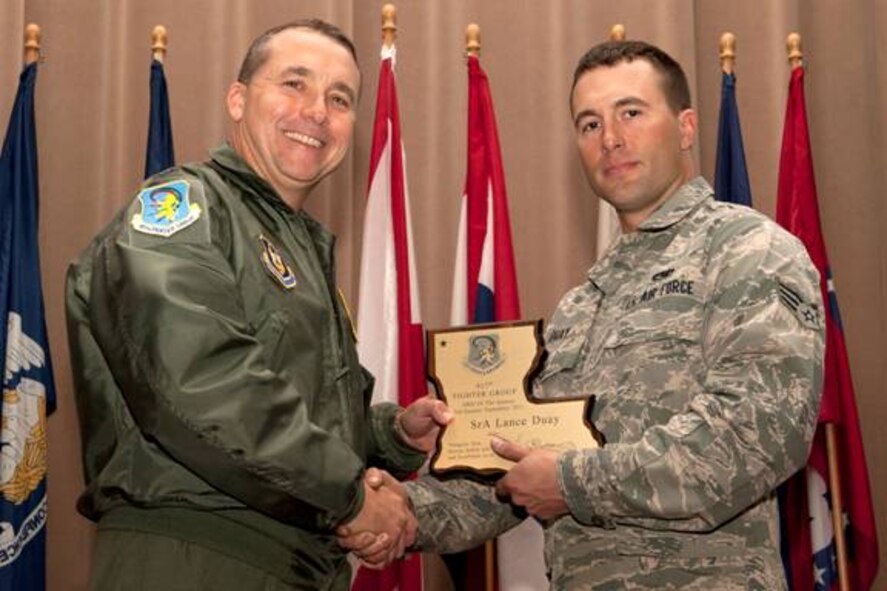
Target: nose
315,108
612,138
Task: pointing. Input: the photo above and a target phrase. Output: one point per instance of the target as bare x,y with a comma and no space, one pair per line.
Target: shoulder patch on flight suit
808,314
165,209
275,265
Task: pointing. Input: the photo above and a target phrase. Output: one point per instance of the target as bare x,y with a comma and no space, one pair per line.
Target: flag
813,562
485,280
28,387
390,343
731,174
159,154
485,290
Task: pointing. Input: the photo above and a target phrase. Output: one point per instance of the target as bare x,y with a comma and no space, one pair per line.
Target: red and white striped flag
485,290
390,330
485,281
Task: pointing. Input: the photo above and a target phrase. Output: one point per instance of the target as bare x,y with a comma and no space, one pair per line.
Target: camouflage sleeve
751,425
455,515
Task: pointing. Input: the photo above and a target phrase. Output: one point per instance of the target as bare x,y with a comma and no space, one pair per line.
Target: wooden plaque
483,372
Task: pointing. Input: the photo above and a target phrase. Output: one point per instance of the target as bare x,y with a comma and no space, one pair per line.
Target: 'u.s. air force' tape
165,209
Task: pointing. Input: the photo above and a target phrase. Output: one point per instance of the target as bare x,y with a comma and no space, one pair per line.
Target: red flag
390,343
485,290
485,281
798,211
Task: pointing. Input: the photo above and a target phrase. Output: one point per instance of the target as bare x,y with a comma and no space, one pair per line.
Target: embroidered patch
484,354
807,313
165,209
662,275
275,264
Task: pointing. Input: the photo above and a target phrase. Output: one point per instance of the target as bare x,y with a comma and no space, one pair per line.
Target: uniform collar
676,208
226,157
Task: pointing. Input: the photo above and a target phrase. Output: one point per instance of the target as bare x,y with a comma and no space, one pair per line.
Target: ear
687,124
235,100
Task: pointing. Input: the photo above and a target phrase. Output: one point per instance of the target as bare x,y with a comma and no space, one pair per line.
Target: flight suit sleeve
385,449
196,377
751,425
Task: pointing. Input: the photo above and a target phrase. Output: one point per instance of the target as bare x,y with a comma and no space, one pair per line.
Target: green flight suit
220,396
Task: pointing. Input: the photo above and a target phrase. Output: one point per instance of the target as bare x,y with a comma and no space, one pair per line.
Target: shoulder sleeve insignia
165,209
808,314
275,265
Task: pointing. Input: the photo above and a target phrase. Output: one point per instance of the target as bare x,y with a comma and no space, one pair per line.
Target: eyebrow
308,73
622,102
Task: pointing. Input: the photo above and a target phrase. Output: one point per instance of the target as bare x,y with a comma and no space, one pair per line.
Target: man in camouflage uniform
700,335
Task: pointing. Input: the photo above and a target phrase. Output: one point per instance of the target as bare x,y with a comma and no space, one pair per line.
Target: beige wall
92,109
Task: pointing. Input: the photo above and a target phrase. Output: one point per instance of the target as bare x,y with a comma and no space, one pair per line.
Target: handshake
386,525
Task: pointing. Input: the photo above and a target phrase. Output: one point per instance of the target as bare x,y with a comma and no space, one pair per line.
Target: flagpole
389,25
32,43
728,52
796,60
472,49
617,32
158,43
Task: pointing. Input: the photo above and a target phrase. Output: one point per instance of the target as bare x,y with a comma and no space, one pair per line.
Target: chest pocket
655,326
562,358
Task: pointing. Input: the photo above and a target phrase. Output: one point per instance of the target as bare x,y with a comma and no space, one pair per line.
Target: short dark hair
257,53
674,81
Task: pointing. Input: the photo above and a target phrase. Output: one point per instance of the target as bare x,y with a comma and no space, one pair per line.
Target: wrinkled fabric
701,338
205,382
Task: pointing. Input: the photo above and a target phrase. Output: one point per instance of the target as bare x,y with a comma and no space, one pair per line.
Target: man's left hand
532,482
420,423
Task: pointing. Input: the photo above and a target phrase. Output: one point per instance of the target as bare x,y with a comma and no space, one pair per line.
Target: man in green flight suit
225,416
700,334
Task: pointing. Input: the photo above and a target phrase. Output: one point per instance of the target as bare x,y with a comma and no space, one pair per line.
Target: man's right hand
385,525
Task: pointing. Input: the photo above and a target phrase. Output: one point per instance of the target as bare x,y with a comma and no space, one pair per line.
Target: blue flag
28,389
731,174
159,155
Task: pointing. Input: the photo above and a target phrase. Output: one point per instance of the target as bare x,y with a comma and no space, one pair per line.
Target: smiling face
633,145
294,119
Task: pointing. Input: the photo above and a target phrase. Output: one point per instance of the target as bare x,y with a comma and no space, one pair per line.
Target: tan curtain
92,112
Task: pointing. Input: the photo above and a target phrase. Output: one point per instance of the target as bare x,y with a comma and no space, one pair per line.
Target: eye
340,101
589,126
632,113
295,84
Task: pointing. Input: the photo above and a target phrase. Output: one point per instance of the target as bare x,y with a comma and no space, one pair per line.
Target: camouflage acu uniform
701,337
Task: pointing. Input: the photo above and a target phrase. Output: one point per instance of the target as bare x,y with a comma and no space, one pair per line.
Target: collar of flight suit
226,157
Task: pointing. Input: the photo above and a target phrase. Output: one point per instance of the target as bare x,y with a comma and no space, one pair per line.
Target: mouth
304,139
620,168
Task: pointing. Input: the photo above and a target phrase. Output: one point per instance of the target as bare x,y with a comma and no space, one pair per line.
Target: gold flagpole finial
389,25
158,43
795,55
617,32
472,40
728,52
32,43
